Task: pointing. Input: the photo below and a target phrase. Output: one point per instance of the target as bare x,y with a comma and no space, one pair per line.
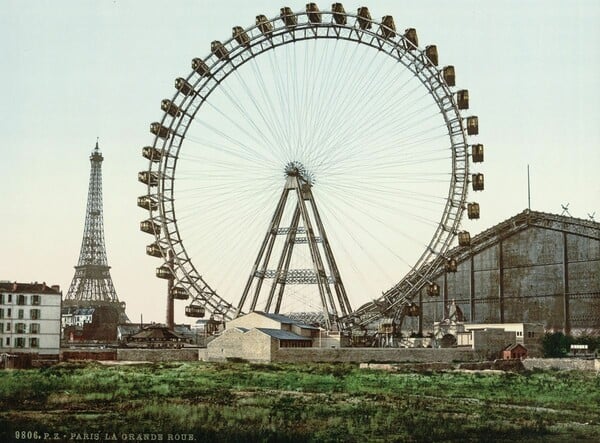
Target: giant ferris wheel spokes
357,103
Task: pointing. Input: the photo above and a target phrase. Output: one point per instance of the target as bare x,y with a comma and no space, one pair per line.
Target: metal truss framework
92,284
206,76
325,273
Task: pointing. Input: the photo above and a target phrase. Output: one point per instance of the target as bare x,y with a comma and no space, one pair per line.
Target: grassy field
292,403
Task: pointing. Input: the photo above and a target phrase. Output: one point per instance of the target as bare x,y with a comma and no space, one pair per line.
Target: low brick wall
383,355
153,355
562,363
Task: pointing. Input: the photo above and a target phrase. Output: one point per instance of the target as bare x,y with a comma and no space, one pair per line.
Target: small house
515,351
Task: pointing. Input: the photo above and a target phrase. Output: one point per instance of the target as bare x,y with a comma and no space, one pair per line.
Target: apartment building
30,318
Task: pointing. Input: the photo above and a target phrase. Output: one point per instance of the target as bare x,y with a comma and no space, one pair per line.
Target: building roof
283,335
156,332
514,346
524,220
29,288
286,320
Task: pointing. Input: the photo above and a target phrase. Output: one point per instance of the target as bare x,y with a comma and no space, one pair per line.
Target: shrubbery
313,402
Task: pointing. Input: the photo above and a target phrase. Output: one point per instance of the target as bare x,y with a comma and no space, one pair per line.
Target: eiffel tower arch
92,284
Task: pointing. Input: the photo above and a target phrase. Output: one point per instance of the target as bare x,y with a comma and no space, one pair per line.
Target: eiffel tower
306,228
92,285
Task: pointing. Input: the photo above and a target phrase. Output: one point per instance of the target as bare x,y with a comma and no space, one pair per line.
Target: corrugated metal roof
283,335
285,320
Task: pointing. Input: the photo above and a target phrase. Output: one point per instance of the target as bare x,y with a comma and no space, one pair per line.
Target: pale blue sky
76,70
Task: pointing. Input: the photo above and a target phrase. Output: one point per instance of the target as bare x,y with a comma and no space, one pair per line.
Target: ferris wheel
313,161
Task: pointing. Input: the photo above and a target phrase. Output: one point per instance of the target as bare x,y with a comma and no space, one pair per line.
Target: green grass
289,403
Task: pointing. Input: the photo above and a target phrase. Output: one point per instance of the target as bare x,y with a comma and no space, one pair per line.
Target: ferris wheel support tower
325,273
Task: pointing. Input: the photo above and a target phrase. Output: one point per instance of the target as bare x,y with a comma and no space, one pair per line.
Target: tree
556,344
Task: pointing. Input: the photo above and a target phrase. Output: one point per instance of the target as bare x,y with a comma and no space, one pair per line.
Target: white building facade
30,318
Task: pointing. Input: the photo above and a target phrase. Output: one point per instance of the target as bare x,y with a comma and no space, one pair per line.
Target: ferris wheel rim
398,47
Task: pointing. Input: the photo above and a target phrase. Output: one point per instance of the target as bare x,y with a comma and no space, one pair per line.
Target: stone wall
562,363
363,355
154,355
252,345
88,354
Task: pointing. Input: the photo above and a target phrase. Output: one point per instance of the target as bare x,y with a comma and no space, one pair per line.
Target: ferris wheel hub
297,169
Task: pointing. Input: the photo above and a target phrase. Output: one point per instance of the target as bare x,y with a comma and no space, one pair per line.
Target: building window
34,328
19,342
9,313
34,342
1,313
8,339
1,328
20,328
7,327
35,300
1,299
34,314
9,298
21,314
21,300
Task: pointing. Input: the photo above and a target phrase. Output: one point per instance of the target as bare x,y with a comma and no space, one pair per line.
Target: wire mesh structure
92,284
354,101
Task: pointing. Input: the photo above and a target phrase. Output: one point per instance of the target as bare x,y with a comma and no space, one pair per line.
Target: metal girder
293,276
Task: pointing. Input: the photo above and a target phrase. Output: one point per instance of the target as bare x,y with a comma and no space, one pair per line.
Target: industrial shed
532,268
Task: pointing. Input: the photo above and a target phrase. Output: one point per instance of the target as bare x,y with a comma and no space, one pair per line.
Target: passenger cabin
314,15
462,99
386,326
170,108
464,238
179,293
339,14
200,67
150,227
194,310
473,210
152,154
411,310
264,25
155,250
148,178
364,18
451,265
432,54
146,202
388,27
449,75
165,272
288,17
218,49
477,182
240,36
477,153
433,289
183,86
472,125
160,130
411,36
